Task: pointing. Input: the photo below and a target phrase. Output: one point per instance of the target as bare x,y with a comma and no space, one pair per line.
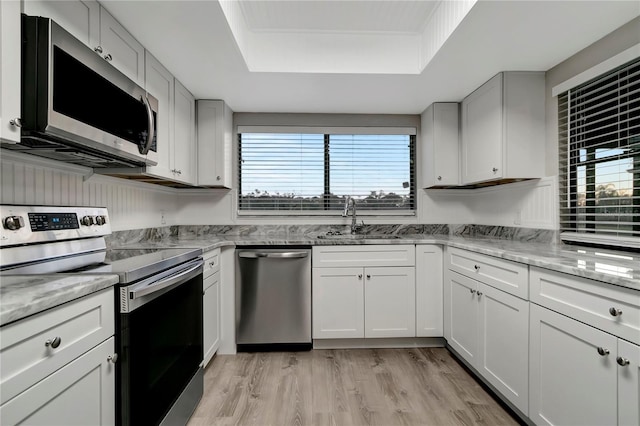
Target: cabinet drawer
211,263
504,275
80,325
362,256
589,301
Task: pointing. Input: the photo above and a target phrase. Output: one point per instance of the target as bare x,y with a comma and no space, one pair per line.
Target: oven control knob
87,220
13,223
100,220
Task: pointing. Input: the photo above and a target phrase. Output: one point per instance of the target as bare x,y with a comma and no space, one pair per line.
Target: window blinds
316,172
599,141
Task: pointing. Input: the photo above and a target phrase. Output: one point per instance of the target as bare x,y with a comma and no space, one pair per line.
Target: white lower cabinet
354,300
389,302
57,367
211,316
489,329
429,288
580,375
211,309
80,393
338,303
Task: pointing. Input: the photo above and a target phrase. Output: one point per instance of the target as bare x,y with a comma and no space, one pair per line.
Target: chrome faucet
354,224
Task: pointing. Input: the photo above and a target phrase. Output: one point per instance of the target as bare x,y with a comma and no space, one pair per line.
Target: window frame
569,163
327,211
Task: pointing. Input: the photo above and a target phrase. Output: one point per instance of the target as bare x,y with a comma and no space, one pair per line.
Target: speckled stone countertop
620,268
24,295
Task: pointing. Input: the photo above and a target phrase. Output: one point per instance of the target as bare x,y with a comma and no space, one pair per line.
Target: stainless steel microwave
78,108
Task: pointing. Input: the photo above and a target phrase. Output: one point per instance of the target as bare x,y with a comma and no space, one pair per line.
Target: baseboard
399,342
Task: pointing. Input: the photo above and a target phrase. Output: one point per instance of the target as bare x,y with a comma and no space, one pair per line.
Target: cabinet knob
54,343
218,178
479,293
495,170
615,312
98,49
439,177
359,276
476,267
472,291
603,351
108,57
368,276
112,358
17,122
622,361
212,264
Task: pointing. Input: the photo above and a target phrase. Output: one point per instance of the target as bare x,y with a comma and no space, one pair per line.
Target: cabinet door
80,393
81,18
10,72
440,145
338,303
482,133
628,383
184,134
120,48
159,83
211,316
503,356
570,383
462,313
429,287
390,302
215,142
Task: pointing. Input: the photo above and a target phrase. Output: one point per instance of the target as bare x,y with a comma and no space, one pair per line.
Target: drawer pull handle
112,358
622,361
615,312
476,267
54,343
603,351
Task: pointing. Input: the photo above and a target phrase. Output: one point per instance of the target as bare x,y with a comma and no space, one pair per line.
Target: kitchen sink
358,237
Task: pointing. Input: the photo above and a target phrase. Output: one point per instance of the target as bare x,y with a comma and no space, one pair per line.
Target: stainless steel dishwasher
273,298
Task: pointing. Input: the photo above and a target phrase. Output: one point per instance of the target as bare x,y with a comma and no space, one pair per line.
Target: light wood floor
423,386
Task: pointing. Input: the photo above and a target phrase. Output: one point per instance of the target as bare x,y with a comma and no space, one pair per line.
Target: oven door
160,343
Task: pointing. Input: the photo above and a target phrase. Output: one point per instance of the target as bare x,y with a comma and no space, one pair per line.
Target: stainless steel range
158,303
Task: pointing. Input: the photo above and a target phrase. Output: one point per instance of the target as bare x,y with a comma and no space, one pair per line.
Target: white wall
131,205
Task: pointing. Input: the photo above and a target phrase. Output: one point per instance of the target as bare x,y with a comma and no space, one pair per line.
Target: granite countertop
616,267
24,295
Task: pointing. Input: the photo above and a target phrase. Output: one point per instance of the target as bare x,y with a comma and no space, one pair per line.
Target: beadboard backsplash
30,180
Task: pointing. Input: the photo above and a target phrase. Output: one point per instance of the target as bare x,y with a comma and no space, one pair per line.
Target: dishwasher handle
274,255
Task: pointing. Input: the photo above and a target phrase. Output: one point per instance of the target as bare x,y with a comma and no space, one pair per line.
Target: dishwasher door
273,296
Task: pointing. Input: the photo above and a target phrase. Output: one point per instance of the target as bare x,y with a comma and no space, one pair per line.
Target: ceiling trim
344,52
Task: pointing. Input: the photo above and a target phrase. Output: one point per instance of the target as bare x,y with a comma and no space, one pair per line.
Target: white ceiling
406,16
194,41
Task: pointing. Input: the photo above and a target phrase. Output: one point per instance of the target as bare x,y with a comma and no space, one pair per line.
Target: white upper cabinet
92,24
80,17
440,145
10,80
175,122
215,143
160,84
120,48
503,129
184,143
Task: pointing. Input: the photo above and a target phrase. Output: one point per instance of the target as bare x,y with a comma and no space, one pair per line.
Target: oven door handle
183,275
